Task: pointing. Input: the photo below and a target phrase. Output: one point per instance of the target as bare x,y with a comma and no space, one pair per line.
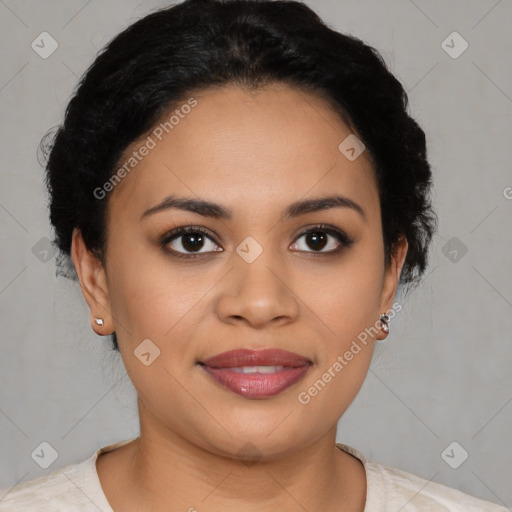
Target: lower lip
257,385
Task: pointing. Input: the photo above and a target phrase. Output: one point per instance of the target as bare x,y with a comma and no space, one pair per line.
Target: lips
256,374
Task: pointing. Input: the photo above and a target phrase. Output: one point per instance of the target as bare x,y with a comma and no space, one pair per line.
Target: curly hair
155,62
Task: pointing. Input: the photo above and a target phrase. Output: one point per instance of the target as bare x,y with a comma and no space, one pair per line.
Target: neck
165,468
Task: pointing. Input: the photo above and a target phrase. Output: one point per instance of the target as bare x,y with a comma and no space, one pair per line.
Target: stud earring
384,322
99,321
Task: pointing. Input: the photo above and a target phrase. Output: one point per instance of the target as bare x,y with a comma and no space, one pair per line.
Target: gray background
444,373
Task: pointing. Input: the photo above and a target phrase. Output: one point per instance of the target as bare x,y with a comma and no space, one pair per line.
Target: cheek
147,296
345,298
329,392
346,310
346,342
169,398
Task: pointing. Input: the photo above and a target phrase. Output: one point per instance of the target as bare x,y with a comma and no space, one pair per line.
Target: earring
384,321
99,321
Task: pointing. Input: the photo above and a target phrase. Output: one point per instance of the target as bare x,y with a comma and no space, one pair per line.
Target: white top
77,488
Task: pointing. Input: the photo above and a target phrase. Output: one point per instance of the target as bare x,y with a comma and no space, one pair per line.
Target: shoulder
390,488
73,488
418,494
56,491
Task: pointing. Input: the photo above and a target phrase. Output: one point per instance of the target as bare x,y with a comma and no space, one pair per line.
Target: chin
257,442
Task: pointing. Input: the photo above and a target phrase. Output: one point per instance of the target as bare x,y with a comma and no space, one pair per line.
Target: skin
254,153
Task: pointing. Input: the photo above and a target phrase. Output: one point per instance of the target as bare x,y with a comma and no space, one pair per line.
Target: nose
258,294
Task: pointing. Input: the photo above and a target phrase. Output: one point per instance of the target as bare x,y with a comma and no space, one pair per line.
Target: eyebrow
217,211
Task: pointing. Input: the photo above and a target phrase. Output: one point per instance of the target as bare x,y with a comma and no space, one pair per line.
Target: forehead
259,149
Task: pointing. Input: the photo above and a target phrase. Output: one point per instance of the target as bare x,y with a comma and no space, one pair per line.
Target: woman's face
251,279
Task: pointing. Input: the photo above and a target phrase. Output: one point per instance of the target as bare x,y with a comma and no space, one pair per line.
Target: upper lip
246,357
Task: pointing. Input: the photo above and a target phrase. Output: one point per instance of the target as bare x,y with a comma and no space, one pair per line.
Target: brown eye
321,237
317,240
190,241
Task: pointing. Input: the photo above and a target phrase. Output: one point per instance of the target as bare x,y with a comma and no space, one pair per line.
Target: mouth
256,374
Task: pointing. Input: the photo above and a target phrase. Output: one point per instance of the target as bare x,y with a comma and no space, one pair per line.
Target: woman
241,192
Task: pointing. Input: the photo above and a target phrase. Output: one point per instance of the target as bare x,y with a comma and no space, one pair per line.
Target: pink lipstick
256,374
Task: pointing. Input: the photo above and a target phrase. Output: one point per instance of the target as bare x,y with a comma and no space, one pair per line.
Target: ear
93,281
392,273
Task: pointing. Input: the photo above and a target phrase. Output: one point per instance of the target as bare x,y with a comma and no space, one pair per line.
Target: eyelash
344,240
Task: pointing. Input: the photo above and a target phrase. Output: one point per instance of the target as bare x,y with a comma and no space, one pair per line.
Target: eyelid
328,228
175,233
341,236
